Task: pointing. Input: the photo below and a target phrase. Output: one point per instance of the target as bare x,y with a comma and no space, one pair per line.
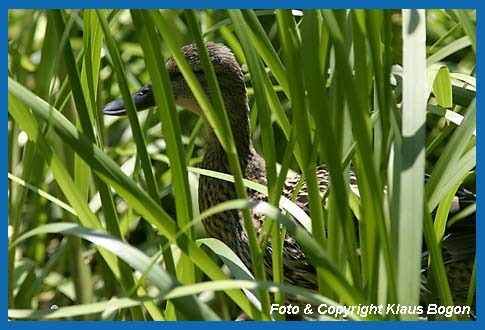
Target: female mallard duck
228,226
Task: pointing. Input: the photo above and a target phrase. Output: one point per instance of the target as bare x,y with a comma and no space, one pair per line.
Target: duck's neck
238,113
227,226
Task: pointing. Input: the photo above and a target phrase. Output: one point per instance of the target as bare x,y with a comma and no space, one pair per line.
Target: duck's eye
142,92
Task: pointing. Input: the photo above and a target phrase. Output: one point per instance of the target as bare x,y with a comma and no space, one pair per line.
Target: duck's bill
143,99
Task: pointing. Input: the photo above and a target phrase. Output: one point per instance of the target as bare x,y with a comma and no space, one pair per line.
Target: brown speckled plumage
228,226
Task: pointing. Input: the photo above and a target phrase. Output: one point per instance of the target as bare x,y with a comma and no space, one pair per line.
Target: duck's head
226,67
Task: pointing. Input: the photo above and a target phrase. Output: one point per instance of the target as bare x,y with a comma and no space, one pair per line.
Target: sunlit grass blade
449,49
267,136
296,212
71,191
192,308
264,48
468,25
412,161
370,187
291,44
171,127
108,203
314,70
437,186
69,312
42,193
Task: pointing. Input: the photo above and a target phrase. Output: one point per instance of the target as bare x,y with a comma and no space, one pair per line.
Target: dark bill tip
143,99
115,108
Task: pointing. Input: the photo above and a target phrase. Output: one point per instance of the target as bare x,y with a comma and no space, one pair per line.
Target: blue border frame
218,4
9,4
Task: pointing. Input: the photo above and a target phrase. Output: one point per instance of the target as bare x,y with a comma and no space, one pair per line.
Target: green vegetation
95,228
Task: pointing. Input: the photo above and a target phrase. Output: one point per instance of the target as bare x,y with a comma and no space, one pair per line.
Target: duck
228,226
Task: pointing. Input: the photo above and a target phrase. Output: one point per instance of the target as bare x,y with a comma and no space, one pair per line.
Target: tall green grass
390,94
